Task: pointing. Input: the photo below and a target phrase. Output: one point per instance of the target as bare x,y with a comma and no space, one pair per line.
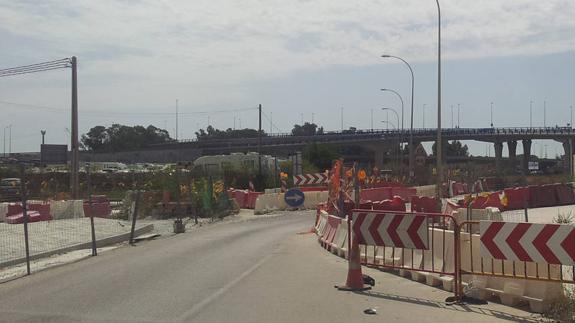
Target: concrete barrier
509,290
427,190
69,209
266,203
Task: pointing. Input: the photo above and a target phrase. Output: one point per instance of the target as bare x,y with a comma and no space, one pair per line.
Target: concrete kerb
86,245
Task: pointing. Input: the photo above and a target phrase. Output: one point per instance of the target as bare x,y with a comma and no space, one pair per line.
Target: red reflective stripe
487,239
360,217
569,244
374,227
392,230
413,234
513,241
540,243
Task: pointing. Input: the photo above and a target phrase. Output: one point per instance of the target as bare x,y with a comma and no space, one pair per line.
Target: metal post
177,121
341,200
135,216
74,181
25,215
531,114
544,114
491,114
276,184
439,139
260,143
10,141
342,119
91,214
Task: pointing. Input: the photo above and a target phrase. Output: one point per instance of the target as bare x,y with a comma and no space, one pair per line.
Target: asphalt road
166,280
254,271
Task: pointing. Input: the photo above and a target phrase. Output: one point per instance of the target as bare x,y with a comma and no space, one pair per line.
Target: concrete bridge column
526,155
568,148
498,155
512,147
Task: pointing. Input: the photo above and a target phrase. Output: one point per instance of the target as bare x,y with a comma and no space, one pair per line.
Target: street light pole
439,139
544,114
531,114
10,141
452,116
400,99
491,114
424,115
458,111
411,149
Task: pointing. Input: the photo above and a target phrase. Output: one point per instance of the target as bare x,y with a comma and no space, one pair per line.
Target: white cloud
145,52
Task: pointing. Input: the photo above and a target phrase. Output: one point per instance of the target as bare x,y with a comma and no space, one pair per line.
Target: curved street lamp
411,161
395,128
400,99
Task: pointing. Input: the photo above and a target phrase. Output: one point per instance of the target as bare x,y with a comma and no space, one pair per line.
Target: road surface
253,271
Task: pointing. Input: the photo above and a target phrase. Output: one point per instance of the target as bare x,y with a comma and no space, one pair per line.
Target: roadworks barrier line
267,203
69,209
332,235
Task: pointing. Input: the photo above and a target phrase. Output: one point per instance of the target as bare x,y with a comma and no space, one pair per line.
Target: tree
308,129
454,149
119,137
213,133
319,155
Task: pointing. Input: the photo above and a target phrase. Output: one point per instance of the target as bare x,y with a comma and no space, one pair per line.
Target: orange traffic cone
354,276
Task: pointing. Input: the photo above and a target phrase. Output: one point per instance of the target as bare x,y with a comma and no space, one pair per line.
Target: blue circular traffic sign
294,197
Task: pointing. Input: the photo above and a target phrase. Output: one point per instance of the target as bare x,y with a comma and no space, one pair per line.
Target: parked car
10,189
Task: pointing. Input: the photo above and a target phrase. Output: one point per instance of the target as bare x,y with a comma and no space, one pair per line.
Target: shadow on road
442,305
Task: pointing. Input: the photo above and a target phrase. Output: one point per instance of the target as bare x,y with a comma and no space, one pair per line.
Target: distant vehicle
10,189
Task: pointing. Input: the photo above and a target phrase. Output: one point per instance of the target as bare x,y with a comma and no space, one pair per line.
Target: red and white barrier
541,243
310,179
391,229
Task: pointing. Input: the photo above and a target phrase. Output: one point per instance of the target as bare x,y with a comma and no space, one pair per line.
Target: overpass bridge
374,140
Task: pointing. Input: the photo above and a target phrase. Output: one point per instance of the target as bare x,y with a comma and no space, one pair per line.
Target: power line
34,68
273,124
42,107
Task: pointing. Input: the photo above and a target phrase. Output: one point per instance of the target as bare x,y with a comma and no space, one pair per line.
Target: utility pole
177,117
371,120
544,114
301,116
10,141
531,114
260,142
312,117
571,120
75,163
342,119
271,124
491,114
452,116
458,110
424,115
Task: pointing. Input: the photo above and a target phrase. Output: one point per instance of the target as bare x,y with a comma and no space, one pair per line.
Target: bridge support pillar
526,155
498,155
568,148
512,148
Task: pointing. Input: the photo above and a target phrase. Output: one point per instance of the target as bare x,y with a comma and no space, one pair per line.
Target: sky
300,59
